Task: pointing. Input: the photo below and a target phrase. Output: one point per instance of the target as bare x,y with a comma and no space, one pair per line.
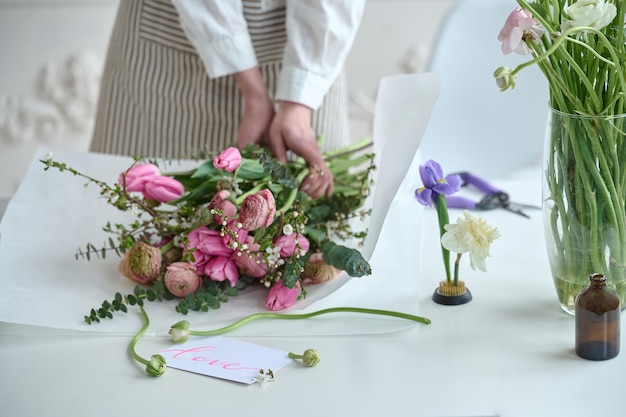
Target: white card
225,358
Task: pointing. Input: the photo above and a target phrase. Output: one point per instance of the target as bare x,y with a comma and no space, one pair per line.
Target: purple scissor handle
493,197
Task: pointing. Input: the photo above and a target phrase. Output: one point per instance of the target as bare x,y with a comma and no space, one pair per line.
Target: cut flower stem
282,316
156,365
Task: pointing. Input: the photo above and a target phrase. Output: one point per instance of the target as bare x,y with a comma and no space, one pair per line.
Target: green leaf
213,302
230,291
182,307
191,302
251,170
291,274
205,170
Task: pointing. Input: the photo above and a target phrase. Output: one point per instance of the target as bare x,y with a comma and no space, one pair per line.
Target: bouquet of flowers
238,219
579,45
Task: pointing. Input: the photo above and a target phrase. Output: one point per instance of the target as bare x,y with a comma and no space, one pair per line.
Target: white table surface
509,352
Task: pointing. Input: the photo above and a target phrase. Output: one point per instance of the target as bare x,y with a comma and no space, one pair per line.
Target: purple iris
435,183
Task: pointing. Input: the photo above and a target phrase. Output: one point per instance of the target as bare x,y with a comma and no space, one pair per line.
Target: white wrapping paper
52,215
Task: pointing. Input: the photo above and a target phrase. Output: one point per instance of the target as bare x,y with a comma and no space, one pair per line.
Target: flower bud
281,297
142,263
180,331
221,202
163,189
504,78
290,245
310,357
156,365
257,210
135,178
228,160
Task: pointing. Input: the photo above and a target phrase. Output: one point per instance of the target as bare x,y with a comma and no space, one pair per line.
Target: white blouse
320,34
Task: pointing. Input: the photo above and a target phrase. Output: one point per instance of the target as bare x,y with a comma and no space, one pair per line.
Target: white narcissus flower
594,13
470,234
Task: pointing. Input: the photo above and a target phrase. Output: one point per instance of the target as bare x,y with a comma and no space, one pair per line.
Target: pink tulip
257,210
250,263
136,177
221,268
208,241
229,159
519,24
163,189
181,279
296,243
220,202
281,297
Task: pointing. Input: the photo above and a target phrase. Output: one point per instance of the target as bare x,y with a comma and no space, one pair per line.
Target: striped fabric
157,101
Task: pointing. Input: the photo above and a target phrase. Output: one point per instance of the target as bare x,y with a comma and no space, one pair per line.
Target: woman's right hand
291,130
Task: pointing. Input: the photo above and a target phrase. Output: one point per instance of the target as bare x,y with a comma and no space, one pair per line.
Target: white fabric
320,34
42,284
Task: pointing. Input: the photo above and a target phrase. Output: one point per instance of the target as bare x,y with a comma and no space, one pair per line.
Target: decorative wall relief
65,101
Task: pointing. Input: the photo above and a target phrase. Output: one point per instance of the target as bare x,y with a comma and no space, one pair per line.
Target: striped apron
156,99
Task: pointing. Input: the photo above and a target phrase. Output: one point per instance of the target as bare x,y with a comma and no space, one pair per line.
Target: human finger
277,146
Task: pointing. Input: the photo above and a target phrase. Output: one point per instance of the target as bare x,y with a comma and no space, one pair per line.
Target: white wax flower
470,234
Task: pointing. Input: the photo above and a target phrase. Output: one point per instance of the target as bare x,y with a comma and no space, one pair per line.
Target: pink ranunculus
181,279
281,297
250,263
221,268
136,177
229,159
257,210
317,271
163,189
520,23
291,244
220,202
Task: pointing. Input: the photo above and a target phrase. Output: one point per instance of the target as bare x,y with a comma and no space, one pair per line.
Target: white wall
52,53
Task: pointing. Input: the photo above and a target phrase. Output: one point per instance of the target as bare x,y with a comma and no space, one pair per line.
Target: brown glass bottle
597,317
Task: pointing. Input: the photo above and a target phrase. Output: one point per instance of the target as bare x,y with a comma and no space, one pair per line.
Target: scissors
494,197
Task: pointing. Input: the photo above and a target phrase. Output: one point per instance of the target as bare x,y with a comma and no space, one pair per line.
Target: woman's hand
258,108
291,130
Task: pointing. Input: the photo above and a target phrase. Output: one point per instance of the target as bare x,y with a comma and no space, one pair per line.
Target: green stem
292,195
251,191
269,315
444,219
456,268
358,146
133,343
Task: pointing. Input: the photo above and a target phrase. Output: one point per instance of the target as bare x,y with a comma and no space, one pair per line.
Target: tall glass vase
584,198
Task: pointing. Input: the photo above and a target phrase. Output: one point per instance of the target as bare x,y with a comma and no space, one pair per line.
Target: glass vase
584,194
